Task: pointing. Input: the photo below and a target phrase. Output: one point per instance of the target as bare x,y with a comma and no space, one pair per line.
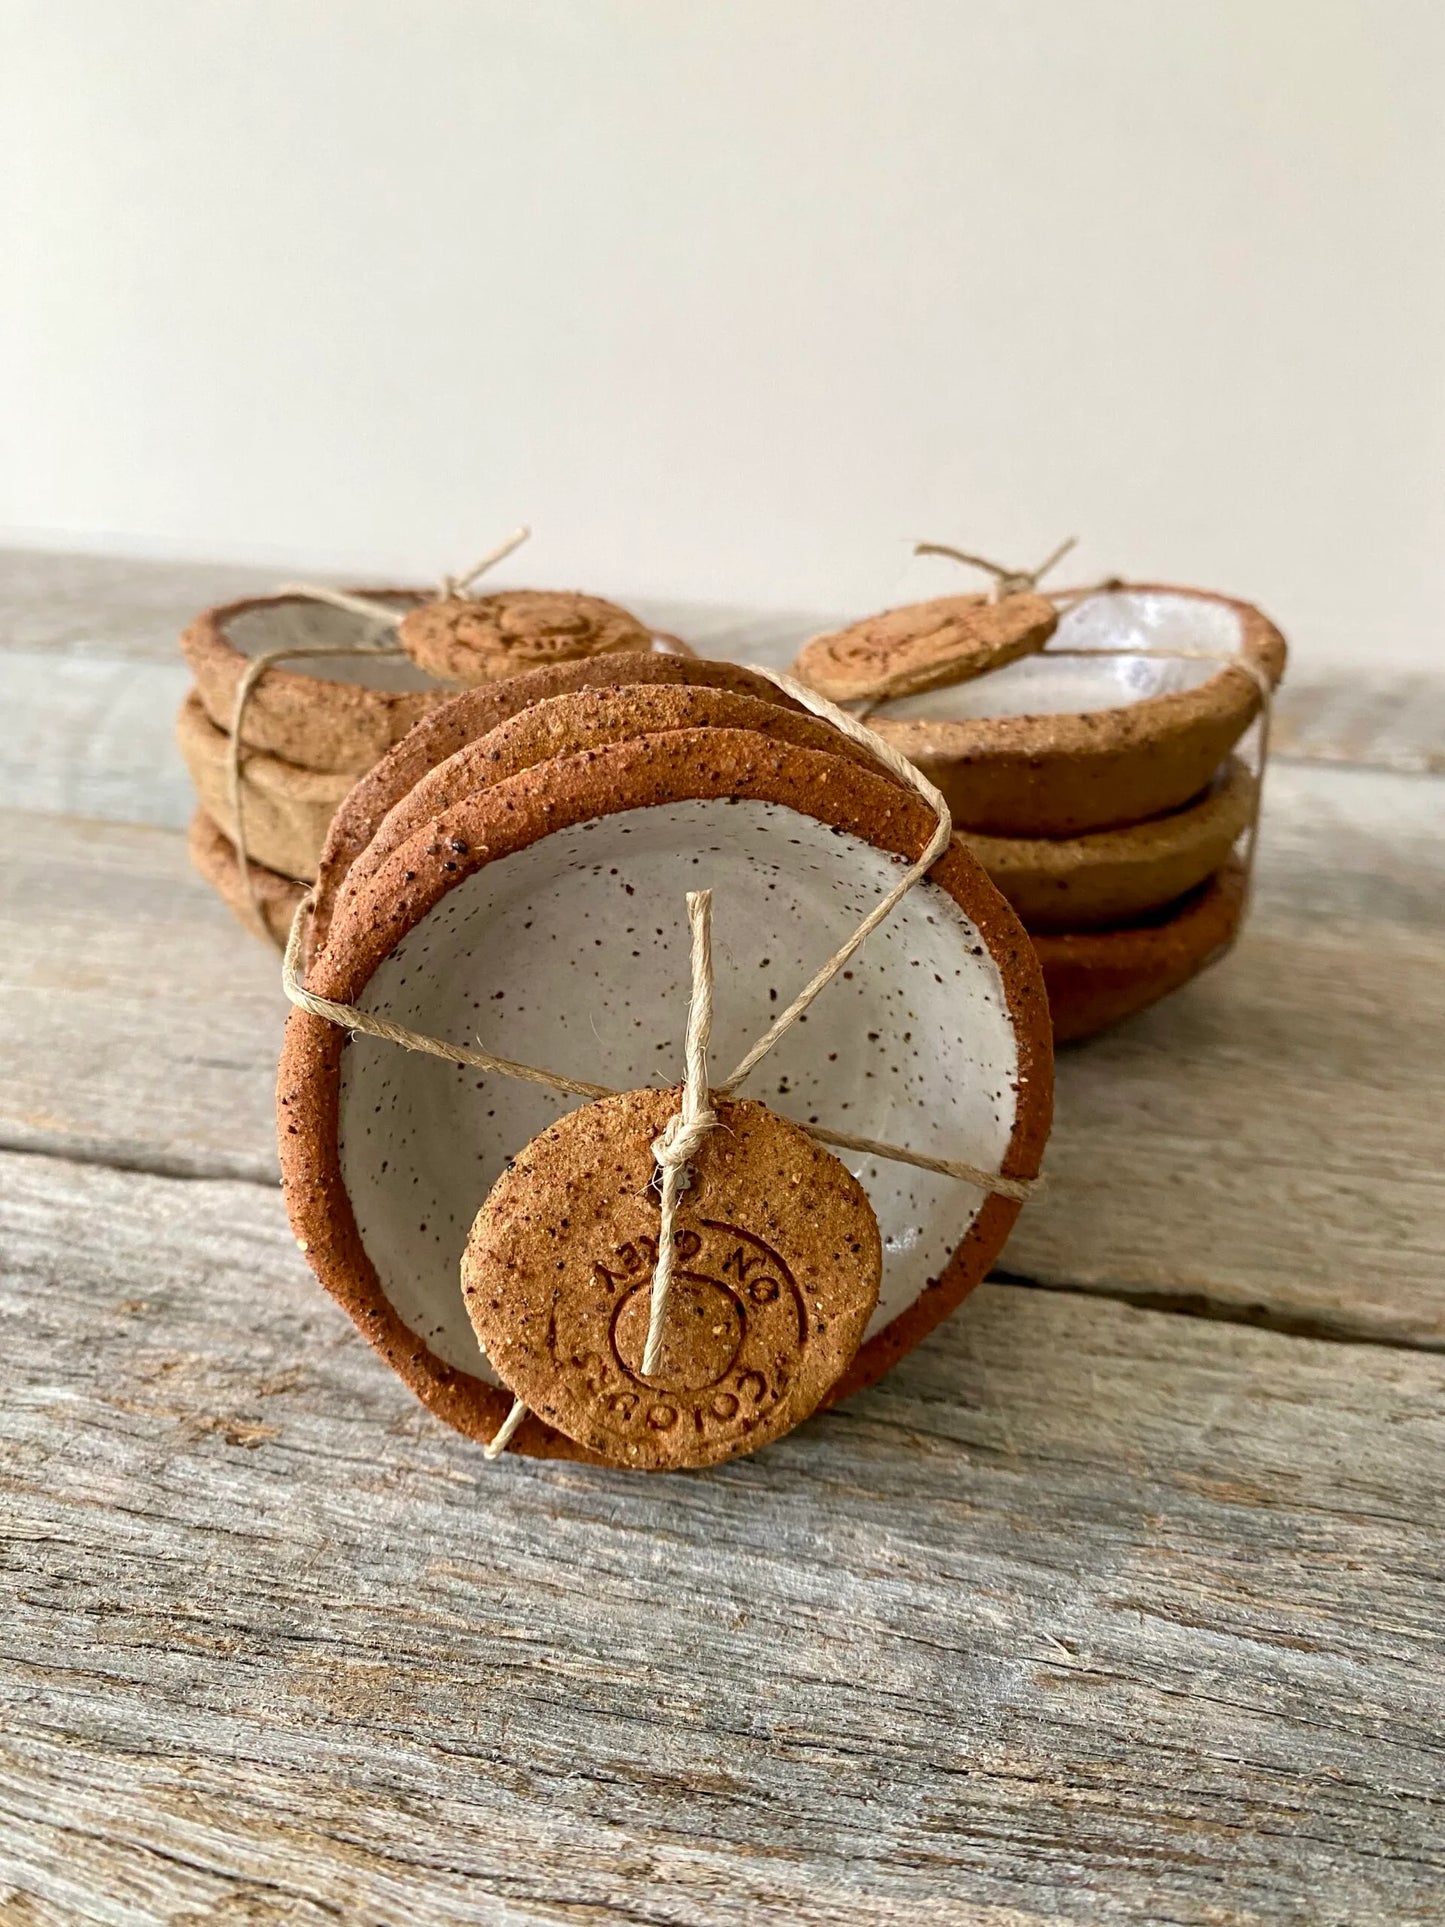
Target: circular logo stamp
776,1270
925,645
474,639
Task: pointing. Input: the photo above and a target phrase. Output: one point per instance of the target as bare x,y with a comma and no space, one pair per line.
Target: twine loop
1007,582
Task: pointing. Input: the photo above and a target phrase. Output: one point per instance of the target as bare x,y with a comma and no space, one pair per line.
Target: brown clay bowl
213,857
1056,745
471,714
1097,978
544,918
587,719
1109,877
288,810
323,714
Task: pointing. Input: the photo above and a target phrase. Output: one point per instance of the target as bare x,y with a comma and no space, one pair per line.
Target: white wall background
731,299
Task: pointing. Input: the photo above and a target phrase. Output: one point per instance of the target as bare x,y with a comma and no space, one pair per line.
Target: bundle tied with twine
378,613
679,1141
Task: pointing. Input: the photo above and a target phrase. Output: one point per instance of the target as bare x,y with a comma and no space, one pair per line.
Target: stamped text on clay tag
777,1266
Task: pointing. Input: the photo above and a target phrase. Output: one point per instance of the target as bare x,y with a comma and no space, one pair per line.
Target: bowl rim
680,766
471,714
1230,695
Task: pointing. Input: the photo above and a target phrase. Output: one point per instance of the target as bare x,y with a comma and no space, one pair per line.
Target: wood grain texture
139,1023
1268,1144
1087,1613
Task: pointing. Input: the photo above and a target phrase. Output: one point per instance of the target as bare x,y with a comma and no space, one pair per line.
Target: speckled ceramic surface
475,639
1057,745
1097,978
1115,876
545,917
586,719
471,714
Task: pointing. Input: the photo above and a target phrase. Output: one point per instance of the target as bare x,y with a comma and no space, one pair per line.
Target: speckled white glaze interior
1051,685
572,954
305,625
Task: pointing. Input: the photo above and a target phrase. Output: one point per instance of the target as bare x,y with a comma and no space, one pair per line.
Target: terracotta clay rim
262,770
1140,964
1055,736
1216,820
465,771
471,713
680,766
213,858
218,665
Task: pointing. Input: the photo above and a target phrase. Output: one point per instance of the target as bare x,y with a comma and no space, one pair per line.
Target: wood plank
139,1023
1086,1613
1269,1143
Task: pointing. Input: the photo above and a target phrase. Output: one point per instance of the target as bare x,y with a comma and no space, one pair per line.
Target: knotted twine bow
357,605
679,1140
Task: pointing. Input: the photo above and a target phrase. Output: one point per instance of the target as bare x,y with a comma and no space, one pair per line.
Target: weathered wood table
1120,1600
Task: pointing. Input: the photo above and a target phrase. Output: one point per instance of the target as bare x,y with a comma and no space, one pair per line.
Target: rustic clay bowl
1096,978
1056,745
327,714
545,918
471,714
1117,876
586,719
288,810
213,856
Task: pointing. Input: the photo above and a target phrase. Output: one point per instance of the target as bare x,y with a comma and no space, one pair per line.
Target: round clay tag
777,1270
479,639
924,645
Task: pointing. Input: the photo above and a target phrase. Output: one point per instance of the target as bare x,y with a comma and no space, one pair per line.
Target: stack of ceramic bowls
512,877
1091,759
313,724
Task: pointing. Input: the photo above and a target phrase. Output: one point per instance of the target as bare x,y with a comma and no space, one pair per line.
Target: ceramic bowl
1118,876
288,809
213,856
340,714
471,714
1056,745
545,918
1097,978
587,719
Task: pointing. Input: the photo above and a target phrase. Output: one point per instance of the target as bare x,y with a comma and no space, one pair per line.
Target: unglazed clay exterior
1055,745
1097,978
339,714
471,713
569,949
1116,876
335,714
288,810
213,856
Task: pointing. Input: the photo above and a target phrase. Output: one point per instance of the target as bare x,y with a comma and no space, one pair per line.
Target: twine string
370,610
1007,582
235,758
679,1142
